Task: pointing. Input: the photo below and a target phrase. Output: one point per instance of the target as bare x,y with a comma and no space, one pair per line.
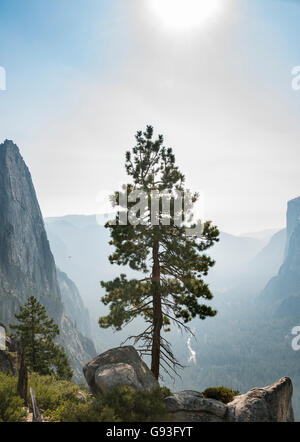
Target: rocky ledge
268,404
123,366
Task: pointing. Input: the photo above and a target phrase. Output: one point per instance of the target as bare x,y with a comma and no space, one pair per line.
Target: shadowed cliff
27,265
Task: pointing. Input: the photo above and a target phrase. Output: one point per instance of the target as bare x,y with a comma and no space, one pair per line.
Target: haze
83,76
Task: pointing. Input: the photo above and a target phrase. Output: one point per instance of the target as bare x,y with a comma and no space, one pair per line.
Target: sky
82,76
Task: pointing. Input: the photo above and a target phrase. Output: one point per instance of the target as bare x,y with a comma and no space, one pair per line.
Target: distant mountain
80,246
73,304
232,253
27,265
283,291
264,235
81,249
238,278
249,342
255,274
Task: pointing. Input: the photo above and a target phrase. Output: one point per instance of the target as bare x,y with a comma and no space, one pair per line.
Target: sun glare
185,14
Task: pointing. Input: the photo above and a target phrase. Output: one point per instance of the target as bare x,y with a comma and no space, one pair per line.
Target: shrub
165,392
130,405
91,411
11,405
60,402
222,394
122,404
75,412
51,392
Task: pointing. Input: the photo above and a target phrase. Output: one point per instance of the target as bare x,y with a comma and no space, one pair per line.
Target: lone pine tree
37,333
172,261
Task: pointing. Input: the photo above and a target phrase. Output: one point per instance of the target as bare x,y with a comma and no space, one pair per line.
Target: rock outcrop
268,404
26,262
78,347
123,366
192,406
118,366
27,265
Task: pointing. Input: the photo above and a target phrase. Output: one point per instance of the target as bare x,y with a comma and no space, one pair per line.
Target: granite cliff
283,290
73,304
27,265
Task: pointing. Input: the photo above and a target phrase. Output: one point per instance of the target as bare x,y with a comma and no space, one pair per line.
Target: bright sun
184,14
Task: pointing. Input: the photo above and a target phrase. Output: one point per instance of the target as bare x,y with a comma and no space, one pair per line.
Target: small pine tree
62,364
37,333
173,262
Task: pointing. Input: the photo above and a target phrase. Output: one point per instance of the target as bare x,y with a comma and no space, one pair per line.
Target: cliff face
27,265
283,291
26,262
292,220
73,304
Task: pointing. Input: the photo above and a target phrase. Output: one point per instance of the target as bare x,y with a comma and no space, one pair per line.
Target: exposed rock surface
86,243
79,348
26,263
10,357
191,406
73,304
118,366
268,404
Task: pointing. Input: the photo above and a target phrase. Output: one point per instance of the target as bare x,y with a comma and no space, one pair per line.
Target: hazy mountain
232,253
242,346
27,265
80,246
264,235
246,344
73,304
81,249
283,291
255,274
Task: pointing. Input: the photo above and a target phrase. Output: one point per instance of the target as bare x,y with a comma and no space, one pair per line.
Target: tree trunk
23,378
157,312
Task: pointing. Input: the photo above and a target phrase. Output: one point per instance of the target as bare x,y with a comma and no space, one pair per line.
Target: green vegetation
52,392
90,411
65,401
173,262
122,404
222,394
130,405
11,405
37,333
